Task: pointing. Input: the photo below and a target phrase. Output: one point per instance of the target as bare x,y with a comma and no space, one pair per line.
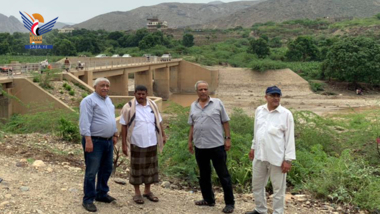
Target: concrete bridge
160,77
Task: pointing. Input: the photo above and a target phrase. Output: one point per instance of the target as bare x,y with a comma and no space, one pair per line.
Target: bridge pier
88,78
119,84
162,82
145,78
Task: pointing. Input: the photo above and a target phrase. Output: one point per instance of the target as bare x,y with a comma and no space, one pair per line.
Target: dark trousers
99,162
219,158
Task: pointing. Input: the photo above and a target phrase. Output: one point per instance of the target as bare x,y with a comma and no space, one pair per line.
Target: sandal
228,209
138,199
204,203
151,197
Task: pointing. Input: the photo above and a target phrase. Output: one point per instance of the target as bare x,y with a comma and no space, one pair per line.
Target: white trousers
261,171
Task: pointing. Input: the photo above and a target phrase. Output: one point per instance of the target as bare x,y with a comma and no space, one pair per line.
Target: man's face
102,88
140,96
202,91
273,100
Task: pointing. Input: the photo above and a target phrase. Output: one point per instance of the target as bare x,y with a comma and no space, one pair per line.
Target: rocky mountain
176,14
11,24
281,10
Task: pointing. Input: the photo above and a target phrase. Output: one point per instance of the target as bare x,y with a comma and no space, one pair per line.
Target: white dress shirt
144,132
273,133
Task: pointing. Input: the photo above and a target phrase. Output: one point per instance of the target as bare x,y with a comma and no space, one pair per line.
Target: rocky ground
44,175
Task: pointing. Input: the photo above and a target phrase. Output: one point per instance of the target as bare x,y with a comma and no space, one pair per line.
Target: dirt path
57,186
243,88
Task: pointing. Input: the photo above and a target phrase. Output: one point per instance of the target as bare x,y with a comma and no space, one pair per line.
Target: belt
102,138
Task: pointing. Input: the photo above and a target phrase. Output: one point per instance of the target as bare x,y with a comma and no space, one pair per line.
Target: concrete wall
71,78
190,73
124,99
33,98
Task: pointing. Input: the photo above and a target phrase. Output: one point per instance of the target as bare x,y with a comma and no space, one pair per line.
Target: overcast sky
76,11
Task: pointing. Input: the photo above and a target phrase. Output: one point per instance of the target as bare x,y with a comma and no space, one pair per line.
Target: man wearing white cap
272,151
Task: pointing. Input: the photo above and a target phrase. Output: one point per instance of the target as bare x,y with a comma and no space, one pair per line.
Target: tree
4,48
188,40
65,48
259,47
302,49
275,42
354,60
115,35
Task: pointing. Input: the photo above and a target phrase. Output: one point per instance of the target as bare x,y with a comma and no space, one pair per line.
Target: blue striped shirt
97,116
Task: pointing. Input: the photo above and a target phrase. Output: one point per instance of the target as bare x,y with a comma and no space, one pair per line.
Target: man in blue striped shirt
99,134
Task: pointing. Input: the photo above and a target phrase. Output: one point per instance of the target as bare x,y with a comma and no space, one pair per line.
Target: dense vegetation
312,48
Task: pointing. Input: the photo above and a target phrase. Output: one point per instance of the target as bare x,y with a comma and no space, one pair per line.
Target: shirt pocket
215,114
275,130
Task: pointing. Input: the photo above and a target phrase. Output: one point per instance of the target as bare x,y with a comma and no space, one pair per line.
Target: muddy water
184,100
181,99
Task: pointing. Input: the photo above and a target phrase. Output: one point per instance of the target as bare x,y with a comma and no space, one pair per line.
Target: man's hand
125,150
286,166
227,144
114,140
191,149
251,154
89,147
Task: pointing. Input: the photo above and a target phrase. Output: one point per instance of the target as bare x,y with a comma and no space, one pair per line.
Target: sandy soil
245,89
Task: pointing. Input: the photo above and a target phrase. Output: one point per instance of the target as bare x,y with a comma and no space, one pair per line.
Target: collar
279,108
211,99
137,103
103,98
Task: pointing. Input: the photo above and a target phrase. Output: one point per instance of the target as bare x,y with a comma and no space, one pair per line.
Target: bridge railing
30,69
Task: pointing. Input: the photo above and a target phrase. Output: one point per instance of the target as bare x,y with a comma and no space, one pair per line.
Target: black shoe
106,199
90,207
228,209
252,212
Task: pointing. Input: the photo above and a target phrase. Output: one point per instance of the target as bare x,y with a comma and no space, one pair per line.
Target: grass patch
336,156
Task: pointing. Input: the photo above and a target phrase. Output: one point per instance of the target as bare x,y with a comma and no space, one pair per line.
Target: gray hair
101,79
197,83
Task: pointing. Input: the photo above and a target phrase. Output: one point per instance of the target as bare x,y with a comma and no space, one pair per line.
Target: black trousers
218,156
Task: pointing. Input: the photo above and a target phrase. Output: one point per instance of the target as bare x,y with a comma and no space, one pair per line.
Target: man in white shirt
272,151
142,134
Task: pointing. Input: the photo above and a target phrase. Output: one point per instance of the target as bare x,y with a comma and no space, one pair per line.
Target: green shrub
68,130
71,92
267,64
41,122
68,87
344,178
84,95
36,79
119,105
316,86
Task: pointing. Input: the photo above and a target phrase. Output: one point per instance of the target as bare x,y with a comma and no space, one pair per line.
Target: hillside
282,10
10,25
176,14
